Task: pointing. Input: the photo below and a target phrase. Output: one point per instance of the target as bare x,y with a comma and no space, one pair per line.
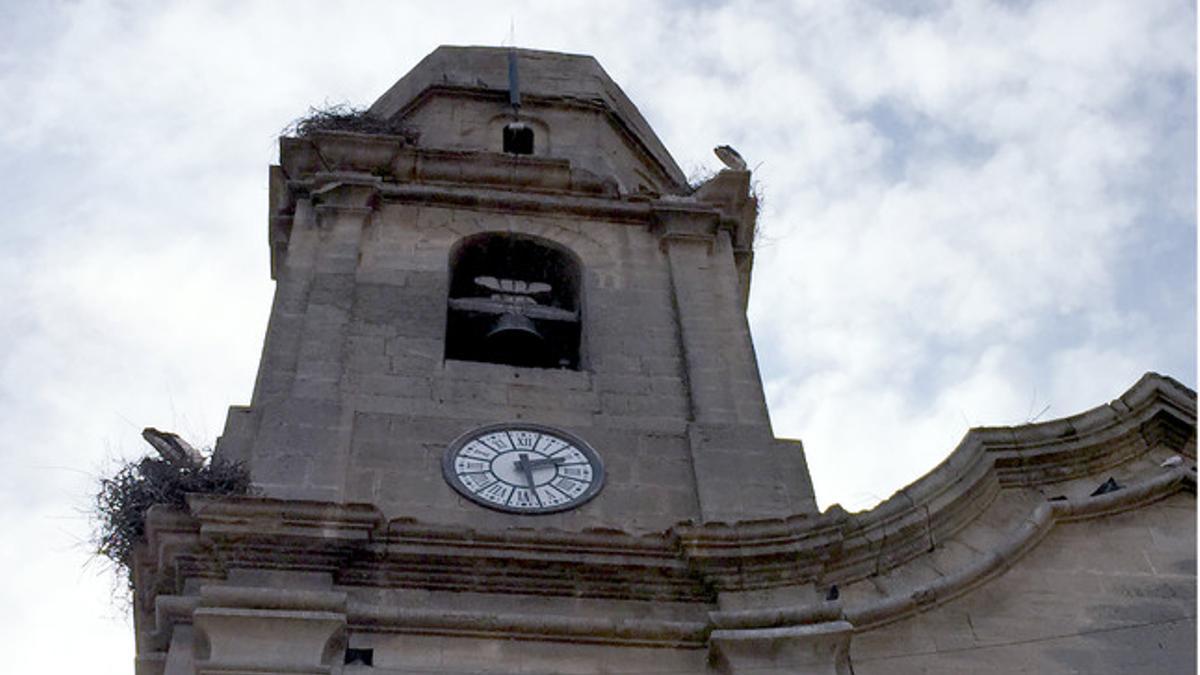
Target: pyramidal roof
543,75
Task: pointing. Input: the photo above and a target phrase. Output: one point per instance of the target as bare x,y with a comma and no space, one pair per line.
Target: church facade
508,419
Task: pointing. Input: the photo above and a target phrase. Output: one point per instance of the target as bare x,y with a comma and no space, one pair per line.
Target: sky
974,213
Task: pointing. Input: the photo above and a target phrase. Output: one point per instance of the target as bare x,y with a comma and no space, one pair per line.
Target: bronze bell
514,339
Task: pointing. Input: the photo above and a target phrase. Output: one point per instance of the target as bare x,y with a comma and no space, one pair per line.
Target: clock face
523,468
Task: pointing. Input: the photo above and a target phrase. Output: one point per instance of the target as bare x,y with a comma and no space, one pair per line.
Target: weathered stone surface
1085,600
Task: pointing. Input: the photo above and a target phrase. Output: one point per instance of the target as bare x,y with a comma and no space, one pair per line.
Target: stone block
422,348
469,393
663,366
334,290
408,310
669,472
818,648
319,369
362,485
368,363
385,384
294,438
307,413
323,316
372,426
642,424
557,378
393,405
663,447
237,440
240,640
551,399
322,343
278,469
402,653
616,363
376,454
413,365
366,345
407,490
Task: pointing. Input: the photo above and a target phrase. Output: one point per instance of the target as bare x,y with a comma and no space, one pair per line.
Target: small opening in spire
518,138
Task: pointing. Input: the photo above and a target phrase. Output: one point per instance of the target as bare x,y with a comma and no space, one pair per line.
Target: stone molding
391,159
1095,440
352,171
399,172
513,626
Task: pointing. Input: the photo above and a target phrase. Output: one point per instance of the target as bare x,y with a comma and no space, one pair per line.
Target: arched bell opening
514,300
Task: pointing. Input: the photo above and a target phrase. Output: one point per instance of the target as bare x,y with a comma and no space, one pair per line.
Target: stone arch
514,299
500,125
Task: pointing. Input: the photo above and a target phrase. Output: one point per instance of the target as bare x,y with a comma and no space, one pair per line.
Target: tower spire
514,81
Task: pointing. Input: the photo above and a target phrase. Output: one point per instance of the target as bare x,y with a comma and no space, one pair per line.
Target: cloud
973,211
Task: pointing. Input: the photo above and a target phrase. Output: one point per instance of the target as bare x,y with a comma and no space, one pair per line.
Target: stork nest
125,497
345,117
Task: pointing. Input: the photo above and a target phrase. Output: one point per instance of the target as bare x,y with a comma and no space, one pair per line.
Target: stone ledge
575,629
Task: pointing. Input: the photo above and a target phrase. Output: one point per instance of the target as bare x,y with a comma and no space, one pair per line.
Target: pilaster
303,430
242,630
742,473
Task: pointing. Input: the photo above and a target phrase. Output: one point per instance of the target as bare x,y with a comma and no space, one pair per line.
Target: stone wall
1112,595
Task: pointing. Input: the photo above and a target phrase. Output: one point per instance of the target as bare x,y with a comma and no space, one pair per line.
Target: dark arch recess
514,327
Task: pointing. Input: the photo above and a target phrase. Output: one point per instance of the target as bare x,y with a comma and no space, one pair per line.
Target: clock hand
526,467
546,461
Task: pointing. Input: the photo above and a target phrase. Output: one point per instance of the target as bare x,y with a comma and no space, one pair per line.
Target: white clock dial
523,468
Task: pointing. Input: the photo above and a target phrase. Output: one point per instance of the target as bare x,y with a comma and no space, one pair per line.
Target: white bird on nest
173,448
730,157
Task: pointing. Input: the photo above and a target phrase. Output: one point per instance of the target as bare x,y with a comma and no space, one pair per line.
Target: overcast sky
975,213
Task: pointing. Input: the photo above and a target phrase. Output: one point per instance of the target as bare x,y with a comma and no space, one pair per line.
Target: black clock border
451,476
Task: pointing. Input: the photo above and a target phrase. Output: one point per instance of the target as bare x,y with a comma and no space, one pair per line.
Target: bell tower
540,262
507,382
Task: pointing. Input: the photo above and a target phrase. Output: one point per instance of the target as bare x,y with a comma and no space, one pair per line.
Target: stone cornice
1155,408
349,169
478,179
507,201
516,626
390,159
